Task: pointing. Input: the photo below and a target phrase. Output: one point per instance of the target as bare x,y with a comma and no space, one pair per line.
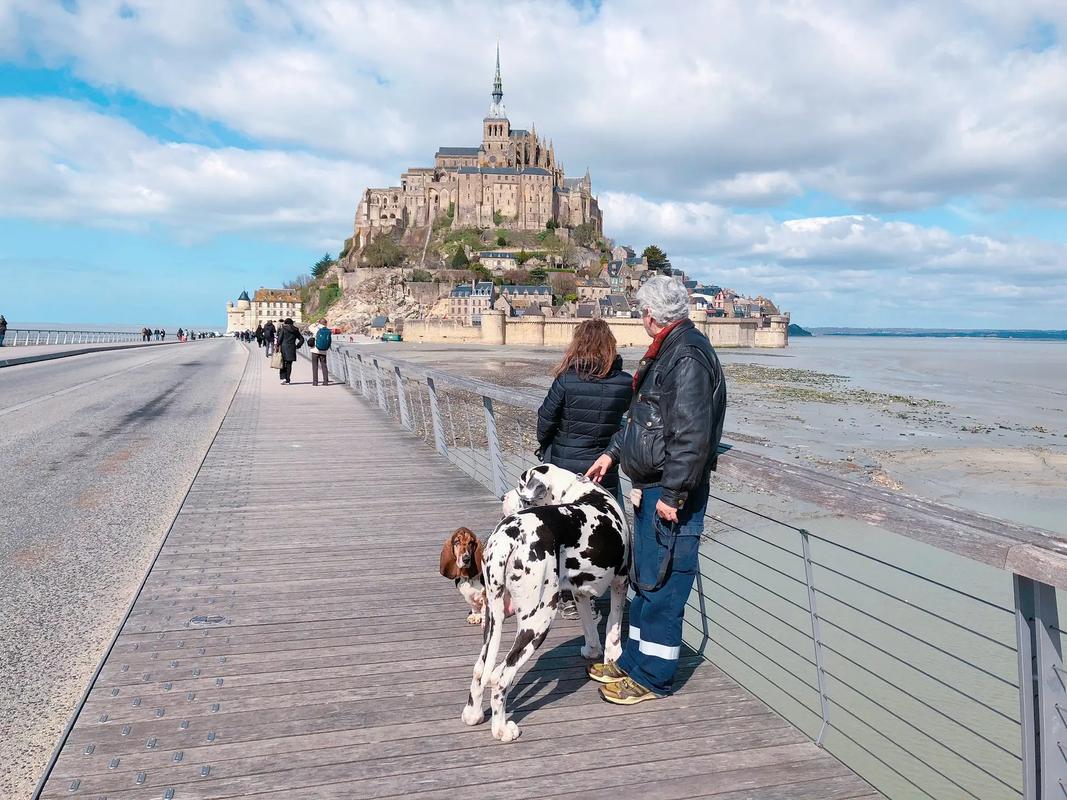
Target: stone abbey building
511,180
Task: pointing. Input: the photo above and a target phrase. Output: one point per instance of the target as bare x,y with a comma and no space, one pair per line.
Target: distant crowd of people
160,335
284,338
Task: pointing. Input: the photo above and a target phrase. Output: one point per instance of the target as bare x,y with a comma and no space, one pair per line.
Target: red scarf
653,350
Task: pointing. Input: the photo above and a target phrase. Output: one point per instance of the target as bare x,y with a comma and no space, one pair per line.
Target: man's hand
599,469
669,513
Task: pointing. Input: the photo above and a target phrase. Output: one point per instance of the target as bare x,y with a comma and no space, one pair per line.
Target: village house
524,296
468,300
498,261
592,289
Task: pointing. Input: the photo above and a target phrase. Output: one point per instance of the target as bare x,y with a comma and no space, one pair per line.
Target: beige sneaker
626,692
605,673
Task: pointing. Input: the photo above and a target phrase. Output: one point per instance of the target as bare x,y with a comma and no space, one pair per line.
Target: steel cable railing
930,674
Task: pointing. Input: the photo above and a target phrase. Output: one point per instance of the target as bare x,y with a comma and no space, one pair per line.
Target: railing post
495,461
816,636
1042,690
363,375
381,390
435,414
402,400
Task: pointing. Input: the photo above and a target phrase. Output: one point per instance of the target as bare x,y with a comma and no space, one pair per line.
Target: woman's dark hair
592,351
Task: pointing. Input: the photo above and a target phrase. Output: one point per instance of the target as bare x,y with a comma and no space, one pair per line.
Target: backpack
323,339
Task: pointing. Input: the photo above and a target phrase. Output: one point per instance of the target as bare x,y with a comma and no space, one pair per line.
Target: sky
862,163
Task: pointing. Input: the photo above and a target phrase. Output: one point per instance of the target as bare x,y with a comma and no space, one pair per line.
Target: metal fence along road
17,337
920,644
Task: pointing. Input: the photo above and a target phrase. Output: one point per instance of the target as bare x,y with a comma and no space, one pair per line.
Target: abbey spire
496,108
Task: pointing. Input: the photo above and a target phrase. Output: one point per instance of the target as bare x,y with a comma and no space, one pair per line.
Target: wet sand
976,423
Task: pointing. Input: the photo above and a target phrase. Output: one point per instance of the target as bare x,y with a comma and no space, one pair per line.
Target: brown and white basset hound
461,561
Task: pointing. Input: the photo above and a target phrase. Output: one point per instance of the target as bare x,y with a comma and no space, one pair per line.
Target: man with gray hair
668,446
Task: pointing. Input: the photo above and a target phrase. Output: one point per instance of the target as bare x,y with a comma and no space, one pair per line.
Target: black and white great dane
562,532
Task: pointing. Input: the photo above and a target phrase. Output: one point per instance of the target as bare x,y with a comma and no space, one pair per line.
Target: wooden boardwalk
293,639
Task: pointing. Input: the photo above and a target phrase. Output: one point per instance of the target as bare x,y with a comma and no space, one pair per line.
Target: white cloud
883,104
857,269
62,161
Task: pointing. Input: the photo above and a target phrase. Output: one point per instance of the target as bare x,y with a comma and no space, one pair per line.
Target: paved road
44,352
96,453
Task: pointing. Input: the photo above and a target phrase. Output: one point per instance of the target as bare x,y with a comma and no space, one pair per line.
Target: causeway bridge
292,637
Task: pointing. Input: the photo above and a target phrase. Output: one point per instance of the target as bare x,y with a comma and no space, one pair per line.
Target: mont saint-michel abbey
511,180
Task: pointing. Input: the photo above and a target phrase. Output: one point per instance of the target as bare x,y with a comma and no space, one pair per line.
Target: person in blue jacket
584,408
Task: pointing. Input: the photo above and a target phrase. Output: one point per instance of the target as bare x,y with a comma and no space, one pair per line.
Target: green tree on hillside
481,273
459,258
538,276
323,264
384,252
585,235
657,259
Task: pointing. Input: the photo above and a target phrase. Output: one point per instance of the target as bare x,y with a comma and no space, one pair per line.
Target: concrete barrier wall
558,332
428,330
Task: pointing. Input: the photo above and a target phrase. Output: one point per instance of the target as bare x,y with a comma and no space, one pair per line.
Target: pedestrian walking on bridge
668,447
259,335
269,334
321,339
3,329
289,341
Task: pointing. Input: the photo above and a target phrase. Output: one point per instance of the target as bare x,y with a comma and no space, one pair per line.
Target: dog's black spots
540,468
516,577
521,641
572,563
542,543
540,638
470,699
605,549
582,578
517,563
553,601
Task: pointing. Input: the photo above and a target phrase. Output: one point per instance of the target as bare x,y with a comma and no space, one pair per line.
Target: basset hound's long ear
478,557
449,568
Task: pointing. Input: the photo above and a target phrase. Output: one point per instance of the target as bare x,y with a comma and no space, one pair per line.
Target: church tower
496,129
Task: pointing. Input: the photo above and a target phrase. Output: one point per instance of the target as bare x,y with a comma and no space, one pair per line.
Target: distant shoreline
937,333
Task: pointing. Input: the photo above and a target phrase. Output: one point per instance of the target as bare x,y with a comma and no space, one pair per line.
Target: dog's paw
508,732
472,715
592,653
474,618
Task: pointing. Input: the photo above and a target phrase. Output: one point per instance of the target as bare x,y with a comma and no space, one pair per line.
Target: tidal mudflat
977,423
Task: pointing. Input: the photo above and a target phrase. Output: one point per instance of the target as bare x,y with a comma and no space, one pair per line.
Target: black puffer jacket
579,417
671,434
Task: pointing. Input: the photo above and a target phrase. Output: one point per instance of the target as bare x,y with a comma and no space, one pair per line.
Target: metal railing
920,644
19,337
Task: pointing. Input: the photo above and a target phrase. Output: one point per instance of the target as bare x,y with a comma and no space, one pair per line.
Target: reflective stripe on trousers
654,640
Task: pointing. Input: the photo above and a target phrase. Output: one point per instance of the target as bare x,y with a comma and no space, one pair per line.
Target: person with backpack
322,338
289,341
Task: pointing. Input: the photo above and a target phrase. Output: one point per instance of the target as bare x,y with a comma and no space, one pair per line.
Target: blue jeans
665,564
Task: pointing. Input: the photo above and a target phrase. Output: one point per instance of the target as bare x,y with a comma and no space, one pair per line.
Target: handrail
22,337
937,655
1027,551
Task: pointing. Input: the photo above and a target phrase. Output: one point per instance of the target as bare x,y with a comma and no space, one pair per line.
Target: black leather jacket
670,436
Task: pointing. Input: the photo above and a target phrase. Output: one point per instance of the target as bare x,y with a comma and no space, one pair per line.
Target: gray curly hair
664,298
